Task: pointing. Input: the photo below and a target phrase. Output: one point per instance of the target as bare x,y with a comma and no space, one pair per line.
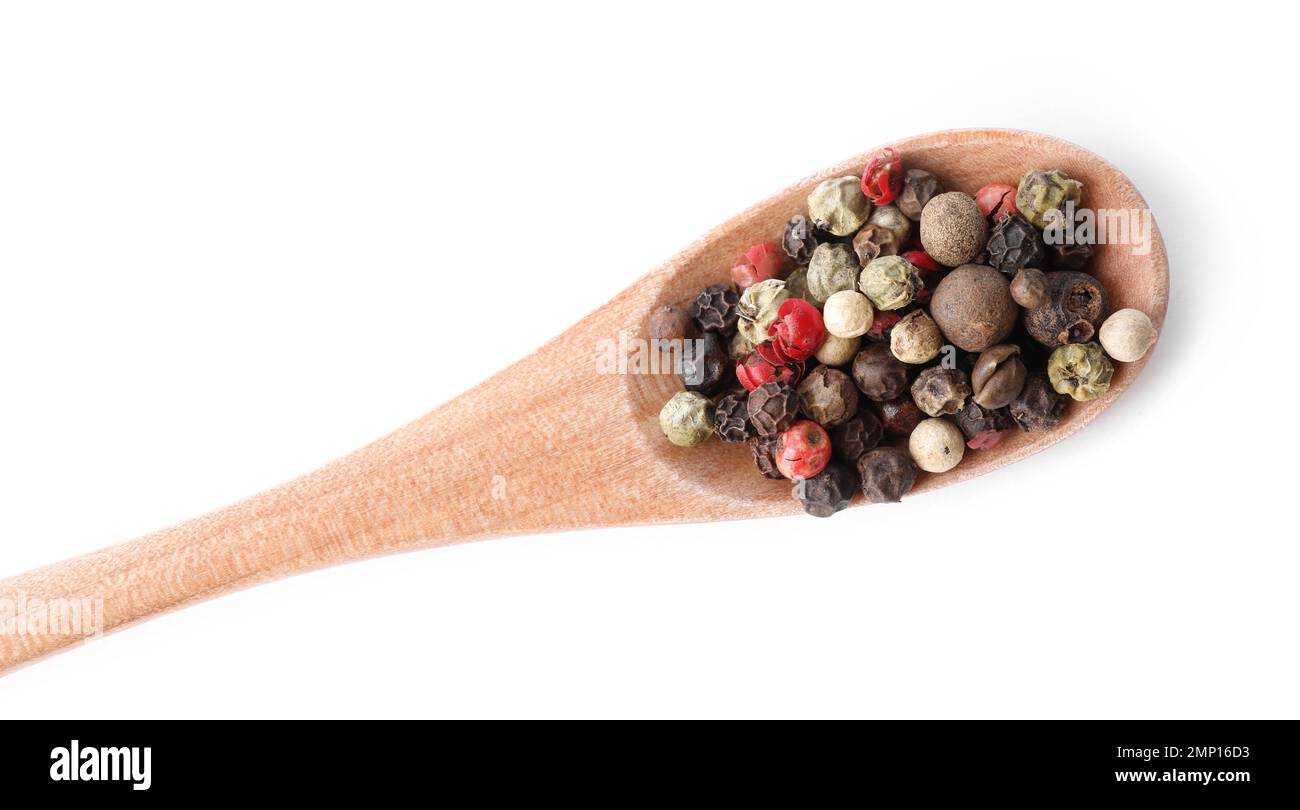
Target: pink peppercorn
753,370
985,439
922,261
883,179
763,261
997,200
798,330
803,450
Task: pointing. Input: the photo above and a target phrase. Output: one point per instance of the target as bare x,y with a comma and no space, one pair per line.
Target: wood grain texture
423,485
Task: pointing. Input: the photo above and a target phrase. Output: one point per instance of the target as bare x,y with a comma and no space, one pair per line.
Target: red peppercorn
753,370
764,261
803,451
883,179
882,323
985,439
798,330
997,200
922,261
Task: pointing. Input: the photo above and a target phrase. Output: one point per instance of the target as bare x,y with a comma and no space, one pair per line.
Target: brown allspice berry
900,417
953,228
772,408
1076,306
764,451
999,376
887,474
731,417
714,309
829,491
856,436
1038,407
879,374
974,308
827,396
1029,288
939,391
672,322
919,187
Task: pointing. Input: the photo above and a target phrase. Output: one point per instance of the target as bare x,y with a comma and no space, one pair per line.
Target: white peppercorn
848,314
1127,335
936,445
838,351
916,338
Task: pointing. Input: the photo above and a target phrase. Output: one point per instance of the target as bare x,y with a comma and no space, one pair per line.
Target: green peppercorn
1081,370
838,206
1041,192
687,419
891,282
758,307
833,268
796,284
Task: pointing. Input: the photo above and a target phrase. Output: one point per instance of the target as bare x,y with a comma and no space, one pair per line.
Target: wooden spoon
553,444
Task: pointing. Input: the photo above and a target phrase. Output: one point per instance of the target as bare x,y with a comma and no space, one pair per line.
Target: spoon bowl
556,442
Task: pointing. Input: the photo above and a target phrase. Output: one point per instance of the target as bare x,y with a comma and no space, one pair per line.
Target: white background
238,240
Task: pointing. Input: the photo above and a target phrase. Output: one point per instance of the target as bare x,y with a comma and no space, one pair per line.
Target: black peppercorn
1076,306
772,408
827,396
705,366
887,474
919,187
879,374
1070,257
829,491
856,436
900,416
799,240
1013,244
764,450
714,309
731,417
1038,407
974,419
939,390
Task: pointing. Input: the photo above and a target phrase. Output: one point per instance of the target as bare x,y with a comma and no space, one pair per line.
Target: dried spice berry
797,283
953,228
887,474
828,492
714,309
739,347
828,396
762,262
731,419
983,427
1014,244
890,282
922,261
1081,370
1070,257
757,308
705,366
671,322
1038,407
687,419
936,445
997,200
919,187
900,416
916,338
838,206
764,450
1076,305
799,240
856,436
753,370
882,325
875,240
879,374
803,451
798,330
837,351
938,390
974,308
1029,288
1127,335
834,267
999,376
772,408
883,178
848,314
1043,195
